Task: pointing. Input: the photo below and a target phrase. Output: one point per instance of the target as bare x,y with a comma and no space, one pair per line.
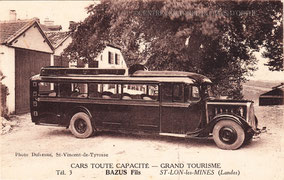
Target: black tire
81,125
228,135
248,139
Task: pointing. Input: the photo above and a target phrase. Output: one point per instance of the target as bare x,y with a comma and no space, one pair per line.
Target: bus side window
167,92
47,89
104,91
152,91
178,93
195,93
79,90
65,89
147,92
95,90
192,93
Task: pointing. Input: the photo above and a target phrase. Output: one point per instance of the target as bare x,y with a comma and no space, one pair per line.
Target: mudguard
76,110
232,117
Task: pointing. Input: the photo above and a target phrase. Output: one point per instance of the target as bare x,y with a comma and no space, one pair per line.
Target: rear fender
76,110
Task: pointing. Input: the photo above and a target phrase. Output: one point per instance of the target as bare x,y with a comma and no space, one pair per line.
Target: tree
216,39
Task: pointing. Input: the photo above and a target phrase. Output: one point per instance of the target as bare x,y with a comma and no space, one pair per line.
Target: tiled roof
9,29
51,28
56,38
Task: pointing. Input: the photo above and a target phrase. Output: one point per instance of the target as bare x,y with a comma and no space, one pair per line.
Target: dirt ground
22,151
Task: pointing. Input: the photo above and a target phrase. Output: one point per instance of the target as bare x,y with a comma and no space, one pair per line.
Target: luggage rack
65,71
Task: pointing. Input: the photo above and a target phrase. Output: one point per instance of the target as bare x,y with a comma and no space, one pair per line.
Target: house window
101,57
117,59
110,58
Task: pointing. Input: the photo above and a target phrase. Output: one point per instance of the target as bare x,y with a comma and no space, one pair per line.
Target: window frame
147,91
172,98
190,96
53,90
117,59
102,90
110,57
72,88
182,92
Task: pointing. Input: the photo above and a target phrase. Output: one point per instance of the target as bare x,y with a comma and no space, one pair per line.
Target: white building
24,49
27,45
111,57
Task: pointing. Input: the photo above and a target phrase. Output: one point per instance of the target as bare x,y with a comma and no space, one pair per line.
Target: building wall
32,39
7,66
27,63
103,59
59,50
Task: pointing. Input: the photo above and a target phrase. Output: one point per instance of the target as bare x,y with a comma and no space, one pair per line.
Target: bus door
180,113
107,108
141,102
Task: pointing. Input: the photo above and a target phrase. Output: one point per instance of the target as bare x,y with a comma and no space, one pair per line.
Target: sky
264,74
64,11
60,11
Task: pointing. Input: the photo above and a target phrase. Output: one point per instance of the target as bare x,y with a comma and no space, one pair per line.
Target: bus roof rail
197,77
64,71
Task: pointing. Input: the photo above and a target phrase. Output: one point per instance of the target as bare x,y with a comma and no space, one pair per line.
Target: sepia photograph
141,89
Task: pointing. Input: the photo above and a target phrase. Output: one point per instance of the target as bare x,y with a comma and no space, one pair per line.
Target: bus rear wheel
81,126
228,135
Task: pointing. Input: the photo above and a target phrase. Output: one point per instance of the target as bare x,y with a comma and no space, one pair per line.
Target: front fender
230,117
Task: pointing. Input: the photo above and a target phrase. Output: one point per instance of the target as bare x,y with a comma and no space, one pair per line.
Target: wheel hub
80,126
228,135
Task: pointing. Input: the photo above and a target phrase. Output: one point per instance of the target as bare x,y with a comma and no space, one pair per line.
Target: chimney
72,25
13,15
48,22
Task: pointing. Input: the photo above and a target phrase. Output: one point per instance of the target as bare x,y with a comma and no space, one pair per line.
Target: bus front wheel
228,134
81,126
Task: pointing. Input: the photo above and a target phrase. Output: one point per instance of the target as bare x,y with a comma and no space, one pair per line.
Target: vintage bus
169,103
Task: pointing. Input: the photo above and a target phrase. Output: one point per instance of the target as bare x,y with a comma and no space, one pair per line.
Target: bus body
170,103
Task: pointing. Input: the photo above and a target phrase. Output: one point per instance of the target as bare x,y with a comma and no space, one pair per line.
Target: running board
173,135
47,124
189,134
